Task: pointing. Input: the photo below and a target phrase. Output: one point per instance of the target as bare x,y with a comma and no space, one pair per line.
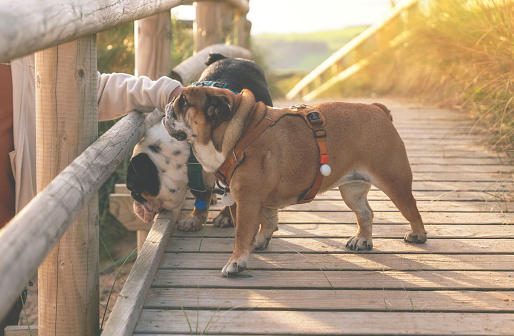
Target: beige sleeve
120,93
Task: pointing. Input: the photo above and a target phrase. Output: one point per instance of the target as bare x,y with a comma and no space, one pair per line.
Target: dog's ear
213,57
218,107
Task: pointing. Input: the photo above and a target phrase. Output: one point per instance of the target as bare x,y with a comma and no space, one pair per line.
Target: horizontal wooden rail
352,56
127,309
28,238
190,69
32,25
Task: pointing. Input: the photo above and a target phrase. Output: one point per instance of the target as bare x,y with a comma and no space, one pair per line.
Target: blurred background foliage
459,54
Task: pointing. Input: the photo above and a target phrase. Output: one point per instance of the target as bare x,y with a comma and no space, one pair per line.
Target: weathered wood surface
21,331
58,205
66,124
130,301
32,25
461,281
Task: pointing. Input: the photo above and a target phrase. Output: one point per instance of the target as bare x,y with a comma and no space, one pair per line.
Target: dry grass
460,54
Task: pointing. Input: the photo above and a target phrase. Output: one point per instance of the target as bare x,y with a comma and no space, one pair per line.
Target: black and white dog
158,175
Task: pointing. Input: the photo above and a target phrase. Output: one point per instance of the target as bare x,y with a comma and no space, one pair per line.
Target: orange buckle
323,159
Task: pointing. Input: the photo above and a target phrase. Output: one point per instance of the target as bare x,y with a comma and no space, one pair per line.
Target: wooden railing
356,54
25,242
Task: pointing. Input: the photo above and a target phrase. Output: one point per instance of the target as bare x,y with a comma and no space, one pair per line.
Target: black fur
238,74
142,176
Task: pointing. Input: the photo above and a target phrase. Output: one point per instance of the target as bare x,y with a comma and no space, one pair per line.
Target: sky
301,16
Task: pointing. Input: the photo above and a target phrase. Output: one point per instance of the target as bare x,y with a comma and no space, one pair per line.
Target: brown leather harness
314,119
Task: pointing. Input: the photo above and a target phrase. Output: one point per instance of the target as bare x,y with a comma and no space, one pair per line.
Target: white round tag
325,170
227,199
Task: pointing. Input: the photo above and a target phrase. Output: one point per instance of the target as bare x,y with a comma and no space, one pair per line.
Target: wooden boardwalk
306,283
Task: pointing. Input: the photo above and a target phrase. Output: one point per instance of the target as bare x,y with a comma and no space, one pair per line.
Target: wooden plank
21,331
423,206
321,279
425,167
375,194
335,203
396,217
426,196
157,321
125,312
379,230
455,160
121,207
338,245
391,217
329,300
344,261
429,218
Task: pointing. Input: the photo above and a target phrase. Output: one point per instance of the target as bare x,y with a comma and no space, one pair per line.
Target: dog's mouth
146,211
170,126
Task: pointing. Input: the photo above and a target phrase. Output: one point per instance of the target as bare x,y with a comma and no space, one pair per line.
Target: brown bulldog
355,145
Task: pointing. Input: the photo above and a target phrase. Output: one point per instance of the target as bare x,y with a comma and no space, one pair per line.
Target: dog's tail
385,109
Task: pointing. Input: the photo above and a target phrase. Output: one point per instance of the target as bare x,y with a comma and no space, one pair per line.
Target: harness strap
214,84
314,119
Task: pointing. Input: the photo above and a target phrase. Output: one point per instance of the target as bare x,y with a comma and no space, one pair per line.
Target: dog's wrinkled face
197,112
200,116
157,173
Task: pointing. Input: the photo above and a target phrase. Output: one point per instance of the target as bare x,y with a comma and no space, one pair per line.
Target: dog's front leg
248,219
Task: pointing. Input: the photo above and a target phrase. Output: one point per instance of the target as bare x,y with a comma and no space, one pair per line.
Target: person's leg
6,146
6,177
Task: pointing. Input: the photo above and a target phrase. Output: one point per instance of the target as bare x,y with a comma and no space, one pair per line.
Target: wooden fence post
207,25
66,124
152,36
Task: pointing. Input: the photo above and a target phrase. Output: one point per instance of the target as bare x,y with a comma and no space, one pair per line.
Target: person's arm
120,93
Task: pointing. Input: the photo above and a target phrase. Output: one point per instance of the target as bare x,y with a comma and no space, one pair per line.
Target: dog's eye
184,101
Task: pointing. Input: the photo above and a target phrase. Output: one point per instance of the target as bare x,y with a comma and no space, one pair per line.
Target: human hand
176,93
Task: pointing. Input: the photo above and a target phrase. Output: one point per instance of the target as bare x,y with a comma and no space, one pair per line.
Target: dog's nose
180,136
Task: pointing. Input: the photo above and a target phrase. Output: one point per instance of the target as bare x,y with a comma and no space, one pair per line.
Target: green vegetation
300,52
460,54
286,58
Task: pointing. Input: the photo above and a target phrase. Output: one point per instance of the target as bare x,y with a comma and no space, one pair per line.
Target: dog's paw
261,242
412,237
193,223
358,243
234,266
223,219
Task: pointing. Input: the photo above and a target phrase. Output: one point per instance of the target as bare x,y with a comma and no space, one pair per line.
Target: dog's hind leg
269,224
355,195
401,194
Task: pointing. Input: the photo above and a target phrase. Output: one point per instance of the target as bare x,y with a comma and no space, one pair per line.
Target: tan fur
364,149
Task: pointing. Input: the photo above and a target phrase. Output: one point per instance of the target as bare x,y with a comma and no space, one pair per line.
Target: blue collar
214,84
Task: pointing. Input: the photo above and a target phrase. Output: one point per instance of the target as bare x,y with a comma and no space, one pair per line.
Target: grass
459,55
